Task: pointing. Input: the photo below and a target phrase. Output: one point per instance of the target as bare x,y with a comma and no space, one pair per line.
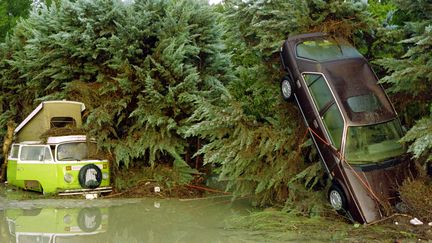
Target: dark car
351,121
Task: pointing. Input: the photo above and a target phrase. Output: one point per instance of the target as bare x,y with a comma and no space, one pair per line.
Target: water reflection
56,224
143,220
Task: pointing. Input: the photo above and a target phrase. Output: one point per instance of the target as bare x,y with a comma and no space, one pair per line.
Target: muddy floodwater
214,219
121,220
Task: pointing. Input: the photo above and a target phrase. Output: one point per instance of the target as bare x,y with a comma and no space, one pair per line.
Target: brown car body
351,121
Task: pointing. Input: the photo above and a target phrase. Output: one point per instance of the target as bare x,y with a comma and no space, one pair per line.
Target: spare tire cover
90,176
89,219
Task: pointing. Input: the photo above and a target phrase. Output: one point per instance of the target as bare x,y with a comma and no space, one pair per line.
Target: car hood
375,187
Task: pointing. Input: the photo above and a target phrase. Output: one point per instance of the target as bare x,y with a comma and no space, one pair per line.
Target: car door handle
315,123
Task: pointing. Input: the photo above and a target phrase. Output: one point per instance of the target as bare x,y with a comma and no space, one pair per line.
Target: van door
35,166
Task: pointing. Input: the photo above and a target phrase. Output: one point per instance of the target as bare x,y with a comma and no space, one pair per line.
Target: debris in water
91,196
156,189
416,221
156,204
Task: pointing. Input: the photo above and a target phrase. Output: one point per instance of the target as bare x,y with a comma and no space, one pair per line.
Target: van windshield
79,151
373,143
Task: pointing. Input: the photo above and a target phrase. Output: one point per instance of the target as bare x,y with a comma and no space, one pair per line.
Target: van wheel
90,176
287,88
337,198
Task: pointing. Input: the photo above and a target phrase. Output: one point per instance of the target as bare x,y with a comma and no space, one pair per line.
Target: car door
327,123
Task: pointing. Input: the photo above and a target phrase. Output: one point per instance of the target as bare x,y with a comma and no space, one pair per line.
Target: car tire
287,88
337,198
90,176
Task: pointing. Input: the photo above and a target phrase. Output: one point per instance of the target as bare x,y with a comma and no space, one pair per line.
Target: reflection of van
59,224
351,120
68,164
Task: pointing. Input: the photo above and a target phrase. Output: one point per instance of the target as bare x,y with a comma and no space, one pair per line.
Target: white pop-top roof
69,138
39,108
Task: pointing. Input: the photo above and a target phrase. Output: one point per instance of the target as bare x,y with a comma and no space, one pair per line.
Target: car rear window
326,50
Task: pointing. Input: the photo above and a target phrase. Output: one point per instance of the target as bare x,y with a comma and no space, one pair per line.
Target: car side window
319,90
334,123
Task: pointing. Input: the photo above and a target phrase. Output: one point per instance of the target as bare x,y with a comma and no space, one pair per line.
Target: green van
59,224
66,164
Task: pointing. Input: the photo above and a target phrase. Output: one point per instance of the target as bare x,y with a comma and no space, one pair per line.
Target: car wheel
337,198
90,176
287,88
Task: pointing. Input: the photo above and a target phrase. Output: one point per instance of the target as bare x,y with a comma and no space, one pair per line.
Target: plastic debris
416,221
91,196
430,223
396,223
156,189
156,204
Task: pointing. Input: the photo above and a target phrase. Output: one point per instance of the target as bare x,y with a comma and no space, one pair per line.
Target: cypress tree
254,137
133,64
409,73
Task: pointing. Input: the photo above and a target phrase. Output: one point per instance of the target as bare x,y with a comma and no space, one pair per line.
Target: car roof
350,79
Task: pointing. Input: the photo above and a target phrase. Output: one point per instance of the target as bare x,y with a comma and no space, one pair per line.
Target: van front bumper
83,191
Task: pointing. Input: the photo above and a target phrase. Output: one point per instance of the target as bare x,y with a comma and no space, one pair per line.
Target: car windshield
373,143
326,50
79,151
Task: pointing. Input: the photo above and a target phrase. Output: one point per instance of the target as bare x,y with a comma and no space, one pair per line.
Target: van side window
62,122
35,153
334,123
14,152
321,93
47,154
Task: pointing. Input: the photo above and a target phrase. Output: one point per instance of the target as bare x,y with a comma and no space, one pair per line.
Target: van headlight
68,178
105,175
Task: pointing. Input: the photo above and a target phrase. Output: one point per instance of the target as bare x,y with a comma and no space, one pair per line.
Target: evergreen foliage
409,75
159,85
10,12
133,65
253,135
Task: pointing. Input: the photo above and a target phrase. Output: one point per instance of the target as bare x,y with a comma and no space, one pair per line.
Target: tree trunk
6,147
